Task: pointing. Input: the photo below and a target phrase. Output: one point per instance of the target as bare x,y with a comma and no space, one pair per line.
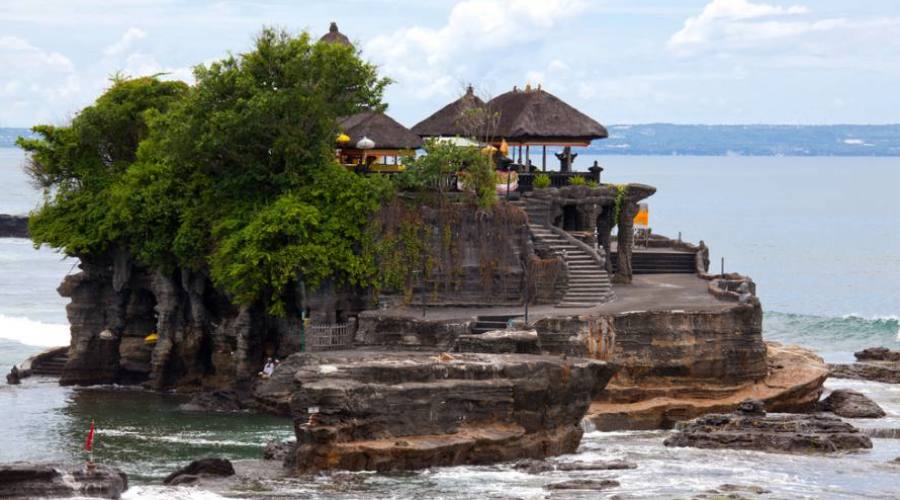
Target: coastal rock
851,404
47,480
793,384
877,354
205,467
13,226
877,364
772,433
584,484
363,410
216,401
279,450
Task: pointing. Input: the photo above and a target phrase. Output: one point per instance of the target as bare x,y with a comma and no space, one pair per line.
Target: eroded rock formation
754,430
379,411
877,364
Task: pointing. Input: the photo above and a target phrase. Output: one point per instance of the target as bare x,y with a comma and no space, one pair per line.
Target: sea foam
35,333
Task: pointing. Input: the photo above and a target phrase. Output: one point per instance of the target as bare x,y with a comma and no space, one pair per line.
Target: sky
619,61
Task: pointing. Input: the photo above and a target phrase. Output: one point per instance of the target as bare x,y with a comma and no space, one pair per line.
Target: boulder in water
13,226
851,404
773,433
205,467
279,450
877,364
47,480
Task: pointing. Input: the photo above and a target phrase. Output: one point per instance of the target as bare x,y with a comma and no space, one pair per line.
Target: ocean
818,235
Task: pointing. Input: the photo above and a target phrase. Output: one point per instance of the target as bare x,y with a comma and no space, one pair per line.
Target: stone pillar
625,242
605,225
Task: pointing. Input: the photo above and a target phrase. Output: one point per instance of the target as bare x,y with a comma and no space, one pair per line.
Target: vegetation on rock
234,176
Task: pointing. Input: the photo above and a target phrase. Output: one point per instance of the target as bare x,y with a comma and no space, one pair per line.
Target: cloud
429,62
125,42
730,23
34,80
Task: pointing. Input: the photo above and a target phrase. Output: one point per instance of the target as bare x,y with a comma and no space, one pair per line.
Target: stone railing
557,179
333,337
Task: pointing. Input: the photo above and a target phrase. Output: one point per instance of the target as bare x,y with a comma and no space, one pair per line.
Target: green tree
432,170
235,175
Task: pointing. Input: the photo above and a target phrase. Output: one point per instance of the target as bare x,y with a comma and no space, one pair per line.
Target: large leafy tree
236,176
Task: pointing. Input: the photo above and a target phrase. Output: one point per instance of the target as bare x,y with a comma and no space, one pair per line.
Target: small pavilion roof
381,128
448,121
537,116
335,36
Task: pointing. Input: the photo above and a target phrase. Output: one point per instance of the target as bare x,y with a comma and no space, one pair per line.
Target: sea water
818,235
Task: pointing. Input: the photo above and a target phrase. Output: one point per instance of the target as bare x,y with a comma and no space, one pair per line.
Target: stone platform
365,410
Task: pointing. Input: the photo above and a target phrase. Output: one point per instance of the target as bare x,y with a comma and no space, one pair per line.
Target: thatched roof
335,36
534,115
448,121
381,128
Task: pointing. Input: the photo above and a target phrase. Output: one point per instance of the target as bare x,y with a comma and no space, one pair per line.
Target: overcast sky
621,61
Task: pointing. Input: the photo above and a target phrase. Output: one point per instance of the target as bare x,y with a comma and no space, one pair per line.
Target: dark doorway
570,218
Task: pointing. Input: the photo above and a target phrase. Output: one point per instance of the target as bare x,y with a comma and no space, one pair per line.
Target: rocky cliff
379,411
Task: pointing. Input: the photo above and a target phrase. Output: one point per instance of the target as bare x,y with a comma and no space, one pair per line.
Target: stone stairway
588,281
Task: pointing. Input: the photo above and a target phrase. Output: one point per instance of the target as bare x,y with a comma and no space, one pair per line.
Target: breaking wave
34,333
846,333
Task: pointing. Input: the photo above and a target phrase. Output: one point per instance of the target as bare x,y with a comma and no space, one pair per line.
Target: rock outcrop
200,469
749,428
500,341
357,410
877,364
13,226
851,404
28,480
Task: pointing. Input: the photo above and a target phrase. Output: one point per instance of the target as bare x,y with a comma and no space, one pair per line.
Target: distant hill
751,140
8,136
719,140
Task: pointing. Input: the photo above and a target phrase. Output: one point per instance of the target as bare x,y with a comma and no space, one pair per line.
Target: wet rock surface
542,466
363,410
751,430
198,469
584,484
877,364
851,404
49,480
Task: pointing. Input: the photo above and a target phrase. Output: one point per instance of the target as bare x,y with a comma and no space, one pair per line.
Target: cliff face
203,341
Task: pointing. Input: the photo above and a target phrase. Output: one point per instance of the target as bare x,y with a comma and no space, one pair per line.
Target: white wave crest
30,332
168,493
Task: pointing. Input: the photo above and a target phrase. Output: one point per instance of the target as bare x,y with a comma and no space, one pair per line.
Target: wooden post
544,160
527,154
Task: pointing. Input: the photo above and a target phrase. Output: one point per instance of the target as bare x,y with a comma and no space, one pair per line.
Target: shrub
541,181
593,184
577,181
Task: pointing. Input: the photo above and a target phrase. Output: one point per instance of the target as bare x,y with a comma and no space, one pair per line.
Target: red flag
89,442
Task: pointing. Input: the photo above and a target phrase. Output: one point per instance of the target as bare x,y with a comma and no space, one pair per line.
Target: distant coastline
662,139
